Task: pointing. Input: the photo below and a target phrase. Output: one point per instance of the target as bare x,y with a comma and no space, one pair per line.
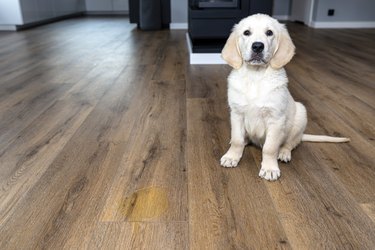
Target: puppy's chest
249,96
257,93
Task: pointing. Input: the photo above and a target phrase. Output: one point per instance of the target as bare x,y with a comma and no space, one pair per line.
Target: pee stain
145,204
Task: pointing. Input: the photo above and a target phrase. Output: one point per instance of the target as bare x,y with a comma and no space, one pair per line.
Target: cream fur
262,109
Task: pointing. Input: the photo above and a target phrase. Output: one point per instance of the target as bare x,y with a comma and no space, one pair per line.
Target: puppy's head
258,40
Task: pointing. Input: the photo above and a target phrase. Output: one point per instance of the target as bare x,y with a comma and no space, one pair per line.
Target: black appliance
218,3
210,21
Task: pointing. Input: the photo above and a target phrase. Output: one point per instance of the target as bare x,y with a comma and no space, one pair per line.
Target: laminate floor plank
343,103
315,208
354,167
139,235
332,79
154,165
221,216
20,72
22,113
82,227
24,161
369,209
172,59
207,81
77,168
326,45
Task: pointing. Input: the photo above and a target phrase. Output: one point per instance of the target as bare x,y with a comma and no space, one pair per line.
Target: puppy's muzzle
257,57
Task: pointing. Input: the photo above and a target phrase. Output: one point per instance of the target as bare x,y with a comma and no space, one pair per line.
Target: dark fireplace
210,21
217,3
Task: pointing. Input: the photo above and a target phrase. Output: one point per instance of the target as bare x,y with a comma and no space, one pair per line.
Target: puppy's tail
323,138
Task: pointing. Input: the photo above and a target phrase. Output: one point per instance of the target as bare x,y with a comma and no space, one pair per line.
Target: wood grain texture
369,208
140,235
223,217
109,139
155,159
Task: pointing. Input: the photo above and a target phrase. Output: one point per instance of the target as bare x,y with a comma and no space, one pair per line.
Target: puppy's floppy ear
284,51
231,53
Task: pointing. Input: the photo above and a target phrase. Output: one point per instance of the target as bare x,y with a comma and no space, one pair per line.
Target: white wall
179,11
281,8
345,10
19,12
38,10
107,5
348,14
10,12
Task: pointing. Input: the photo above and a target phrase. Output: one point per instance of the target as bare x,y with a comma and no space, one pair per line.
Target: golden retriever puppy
261,107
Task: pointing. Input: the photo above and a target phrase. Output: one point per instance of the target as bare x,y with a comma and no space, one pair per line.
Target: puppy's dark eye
247,33
269,33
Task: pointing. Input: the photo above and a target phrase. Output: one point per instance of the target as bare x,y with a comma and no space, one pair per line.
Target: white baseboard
342,25
178,26
281,17
8,27
203,58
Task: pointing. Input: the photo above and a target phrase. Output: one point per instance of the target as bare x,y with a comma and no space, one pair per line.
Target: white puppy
262,108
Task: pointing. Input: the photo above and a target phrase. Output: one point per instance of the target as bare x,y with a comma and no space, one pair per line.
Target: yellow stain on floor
145,204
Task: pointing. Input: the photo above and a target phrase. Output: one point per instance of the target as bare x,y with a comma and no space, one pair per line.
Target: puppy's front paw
229,161
270,173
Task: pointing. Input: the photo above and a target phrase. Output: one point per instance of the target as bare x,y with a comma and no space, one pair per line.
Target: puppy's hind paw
285,155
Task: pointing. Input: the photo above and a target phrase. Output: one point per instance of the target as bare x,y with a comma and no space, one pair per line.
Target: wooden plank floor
109,139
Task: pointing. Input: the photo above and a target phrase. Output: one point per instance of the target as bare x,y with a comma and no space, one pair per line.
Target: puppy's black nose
257,47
